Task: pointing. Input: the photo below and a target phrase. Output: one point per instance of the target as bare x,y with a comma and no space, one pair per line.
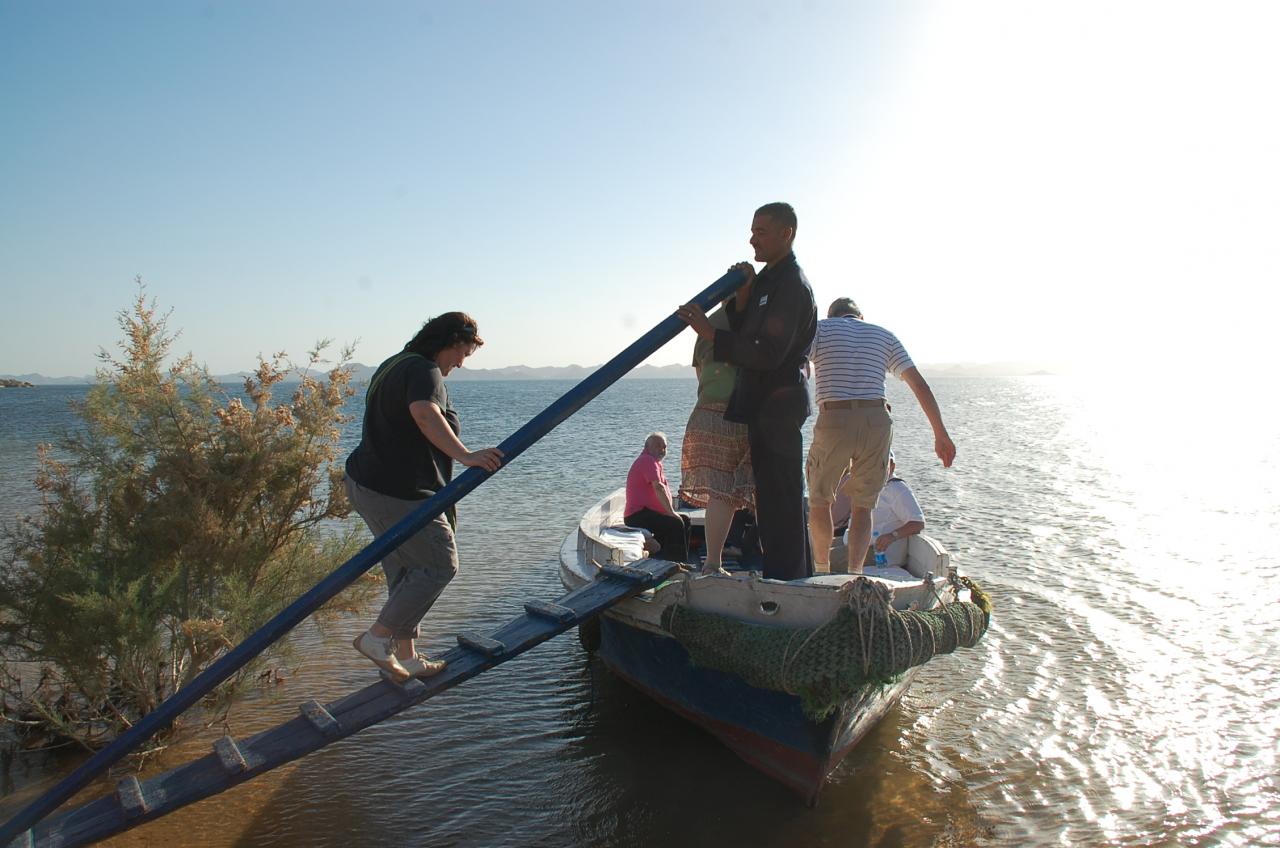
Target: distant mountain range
42,380
566,372
361,373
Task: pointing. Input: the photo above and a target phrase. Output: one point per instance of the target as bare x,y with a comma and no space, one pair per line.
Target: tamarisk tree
178,519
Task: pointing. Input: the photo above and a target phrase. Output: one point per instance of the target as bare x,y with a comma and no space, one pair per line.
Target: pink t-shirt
640,493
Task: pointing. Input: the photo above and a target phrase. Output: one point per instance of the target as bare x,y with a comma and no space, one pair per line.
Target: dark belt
852,404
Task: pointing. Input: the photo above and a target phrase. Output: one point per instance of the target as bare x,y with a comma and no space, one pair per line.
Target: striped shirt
851,357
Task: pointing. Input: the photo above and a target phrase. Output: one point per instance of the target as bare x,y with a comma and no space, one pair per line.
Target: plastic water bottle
882,559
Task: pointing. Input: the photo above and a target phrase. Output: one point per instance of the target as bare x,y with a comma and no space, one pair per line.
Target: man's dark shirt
394,458
768,342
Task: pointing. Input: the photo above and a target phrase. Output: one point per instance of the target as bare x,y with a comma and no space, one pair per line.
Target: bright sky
1073,184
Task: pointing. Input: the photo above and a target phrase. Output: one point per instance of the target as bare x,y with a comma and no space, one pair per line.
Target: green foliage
177,522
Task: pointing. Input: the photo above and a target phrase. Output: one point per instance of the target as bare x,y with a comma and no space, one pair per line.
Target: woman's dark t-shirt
394,458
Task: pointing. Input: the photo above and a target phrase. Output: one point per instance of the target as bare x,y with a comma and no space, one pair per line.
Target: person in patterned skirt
715,462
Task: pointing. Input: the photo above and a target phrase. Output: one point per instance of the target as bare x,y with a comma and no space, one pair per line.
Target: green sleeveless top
715,379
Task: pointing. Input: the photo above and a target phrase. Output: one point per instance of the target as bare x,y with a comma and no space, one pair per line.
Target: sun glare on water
1185,489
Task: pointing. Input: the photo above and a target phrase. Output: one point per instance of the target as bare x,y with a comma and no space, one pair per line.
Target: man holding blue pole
772,320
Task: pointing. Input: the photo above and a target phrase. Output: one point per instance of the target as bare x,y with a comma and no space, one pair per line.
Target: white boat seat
629,541
892,574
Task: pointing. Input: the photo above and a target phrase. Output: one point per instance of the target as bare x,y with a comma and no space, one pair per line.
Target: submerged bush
173,525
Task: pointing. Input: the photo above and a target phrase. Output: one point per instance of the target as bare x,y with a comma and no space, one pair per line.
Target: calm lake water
1127,694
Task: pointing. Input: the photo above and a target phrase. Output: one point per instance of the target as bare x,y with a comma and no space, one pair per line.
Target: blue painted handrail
346,574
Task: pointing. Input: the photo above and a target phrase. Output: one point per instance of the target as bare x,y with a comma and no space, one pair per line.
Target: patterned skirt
716,459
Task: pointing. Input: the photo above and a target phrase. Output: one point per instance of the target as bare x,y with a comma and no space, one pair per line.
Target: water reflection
1128,692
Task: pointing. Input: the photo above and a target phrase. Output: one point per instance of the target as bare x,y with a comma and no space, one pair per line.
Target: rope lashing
867,642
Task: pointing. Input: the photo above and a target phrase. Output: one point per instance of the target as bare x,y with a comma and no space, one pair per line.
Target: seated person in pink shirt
649,503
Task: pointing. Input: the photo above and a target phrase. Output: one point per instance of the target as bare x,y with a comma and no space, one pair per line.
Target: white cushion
628,540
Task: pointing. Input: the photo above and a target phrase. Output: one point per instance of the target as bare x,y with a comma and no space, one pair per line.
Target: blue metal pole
342,577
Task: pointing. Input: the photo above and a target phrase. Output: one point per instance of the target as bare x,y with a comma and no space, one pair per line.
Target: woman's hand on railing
490,459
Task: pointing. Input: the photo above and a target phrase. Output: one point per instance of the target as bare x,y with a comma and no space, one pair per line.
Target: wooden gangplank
234,761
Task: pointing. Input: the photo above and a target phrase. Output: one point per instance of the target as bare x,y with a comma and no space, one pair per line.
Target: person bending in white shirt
896,516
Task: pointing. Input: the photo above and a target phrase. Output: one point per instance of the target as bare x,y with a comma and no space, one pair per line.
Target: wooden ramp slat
264,751
486,646
545,609
406,690
132,801
320,718
625,572
229,755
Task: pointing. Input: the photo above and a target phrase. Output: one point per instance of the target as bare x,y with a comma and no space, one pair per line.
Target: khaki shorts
858,437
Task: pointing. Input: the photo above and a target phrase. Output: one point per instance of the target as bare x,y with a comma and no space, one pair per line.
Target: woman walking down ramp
408,444
715,462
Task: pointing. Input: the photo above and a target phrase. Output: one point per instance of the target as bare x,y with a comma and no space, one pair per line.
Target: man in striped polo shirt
851,358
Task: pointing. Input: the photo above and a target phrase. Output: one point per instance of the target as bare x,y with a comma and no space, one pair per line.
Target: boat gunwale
582,550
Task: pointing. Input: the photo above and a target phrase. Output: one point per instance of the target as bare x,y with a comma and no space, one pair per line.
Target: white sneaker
421,666
382,652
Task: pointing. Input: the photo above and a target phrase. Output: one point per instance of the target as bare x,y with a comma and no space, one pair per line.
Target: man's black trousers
776,461
671,531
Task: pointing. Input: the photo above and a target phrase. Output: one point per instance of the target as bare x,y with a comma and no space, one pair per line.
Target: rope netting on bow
867,642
